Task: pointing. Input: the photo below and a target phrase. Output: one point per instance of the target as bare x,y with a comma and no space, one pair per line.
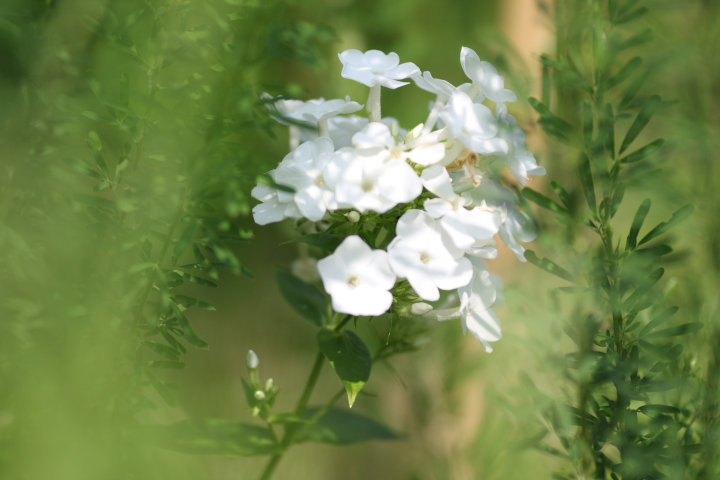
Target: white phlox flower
515,225
419,254
475,301
357,278
280,108
377,136
376,68
519,160
321,109
485,77
463,227
304,171
368,180
473,125
276,205
443,89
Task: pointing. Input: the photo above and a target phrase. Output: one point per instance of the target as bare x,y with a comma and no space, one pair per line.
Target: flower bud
353,216
420,309
259,395
251,360
269,384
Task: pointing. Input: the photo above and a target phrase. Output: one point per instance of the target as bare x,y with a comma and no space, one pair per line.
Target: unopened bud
251,360
259,395
269,384
255,412
420,309
395,128
353,216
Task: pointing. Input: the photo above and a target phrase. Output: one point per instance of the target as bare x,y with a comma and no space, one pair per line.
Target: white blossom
475,302
463,227
358,278
424,151
303,170
280,108
441,88
419,254
321,109
376,68
519,160
485,77
367,180
276,205
472,124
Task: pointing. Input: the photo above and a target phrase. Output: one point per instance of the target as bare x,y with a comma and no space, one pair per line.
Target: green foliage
214,436
306,299
350,358
341,427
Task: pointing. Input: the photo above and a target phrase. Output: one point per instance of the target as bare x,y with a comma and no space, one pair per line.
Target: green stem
299,410
153,275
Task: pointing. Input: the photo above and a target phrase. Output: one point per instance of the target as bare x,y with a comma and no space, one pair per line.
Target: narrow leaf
350,358
677,218
642,119
214,436
191,301
162,390
98,158
644,287
82,167
188,333
586,180
637,224
543,201
548,265
624,73
342,427
643,153
164,350
683,329
617,199
307,300
562,194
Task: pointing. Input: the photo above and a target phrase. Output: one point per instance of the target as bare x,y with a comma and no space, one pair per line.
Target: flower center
320,181
425,258
367,185
353,281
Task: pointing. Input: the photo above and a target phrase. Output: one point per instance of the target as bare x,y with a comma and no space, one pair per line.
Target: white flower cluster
436,183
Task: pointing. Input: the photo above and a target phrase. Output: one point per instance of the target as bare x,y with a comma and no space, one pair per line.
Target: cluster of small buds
260,398
435,183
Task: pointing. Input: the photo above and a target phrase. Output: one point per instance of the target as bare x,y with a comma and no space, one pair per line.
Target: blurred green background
195,70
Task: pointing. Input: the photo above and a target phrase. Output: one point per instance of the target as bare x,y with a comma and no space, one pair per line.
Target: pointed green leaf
633,90
342,427
553,125
624,73
644,287
306,299
191,301
98,158
543,201
562,194
632,16
350,358
643,153
637,224
683,329
642,119
657,321
214,436
658,409
199,280
586,180
677,218
188,333
549,266
164,350
162,390
82,167
617,199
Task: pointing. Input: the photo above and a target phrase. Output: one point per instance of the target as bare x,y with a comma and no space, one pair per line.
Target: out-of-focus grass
59,365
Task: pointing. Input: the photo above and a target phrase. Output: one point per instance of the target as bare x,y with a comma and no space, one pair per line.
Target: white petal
427,154
485,325
406,70
471,65
399,182
414,225
374,134
269,212
311,203
437,207
451,274
437,180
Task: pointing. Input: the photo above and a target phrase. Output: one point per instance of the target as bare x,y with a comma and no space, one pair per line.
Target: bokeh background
63,287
